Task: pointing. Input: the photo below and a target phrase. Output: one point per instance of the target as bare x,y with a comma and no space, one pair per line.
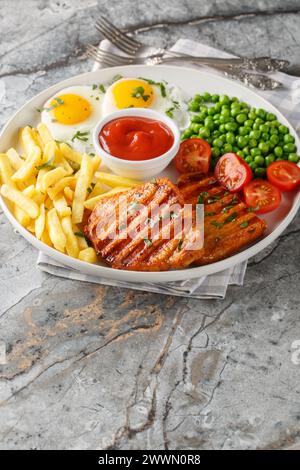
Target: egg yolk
132,94
70,109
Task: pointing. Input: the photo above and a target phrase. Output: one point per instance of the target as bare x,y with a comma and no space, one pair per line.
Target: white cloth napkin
213,286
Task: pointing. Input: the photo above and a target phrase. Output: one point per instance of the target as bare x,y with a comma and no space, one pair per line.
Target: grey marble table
95,367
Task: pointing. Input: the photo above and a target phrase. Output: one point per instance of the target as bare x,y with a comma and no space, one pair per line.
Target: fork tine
120,33
116,40
109,55
100,60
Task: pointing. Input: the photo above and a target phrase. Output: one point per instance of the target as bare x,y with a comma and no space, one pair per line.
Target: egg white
175,102
66,132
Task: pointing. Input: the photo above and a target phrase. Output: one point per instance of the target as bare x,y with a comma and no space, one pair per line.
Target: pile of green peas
230,125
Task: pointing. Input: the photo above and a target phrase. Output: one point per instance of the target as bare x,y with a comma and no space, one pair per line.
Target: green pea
269,159
209,123
249,159
255,151
224,119
216,116
264,147
283,129
195,127
252,143
288,138
278,151
252,165
260,161
206,96
234,99
252,115
227,148
265,136
218,142
231,126
241,118
254,135
274,124
222,128
217,123
197,118
249,122
274,131
186,134
203,109
289,148
215,98
193,106
224,99
211,111
264,128
246,150
216,152
218,107
230,137
259,121
255,126
240,153
242,141
274,139
225,112
235,111
293,157
261,113
270,117
260,172
235,148
204,133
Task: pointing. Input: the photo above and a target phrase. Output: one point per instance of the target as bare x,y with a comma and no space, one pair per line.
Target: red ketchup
136,138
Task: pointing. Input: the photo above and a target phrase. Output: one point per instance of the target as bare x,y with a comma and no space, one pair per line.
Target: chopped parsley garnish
252,209
160,84
216,224
179,246
226,209
48,164
213,199
79,234
169,112
201,196
139,92
208,214
244,224
147,241
102,88
83,136
58,102
90,188
91,154
94,86
230,218
116,78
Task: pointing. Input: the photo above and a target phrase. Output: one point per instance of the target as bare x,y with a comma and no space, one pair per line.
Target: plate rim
150,276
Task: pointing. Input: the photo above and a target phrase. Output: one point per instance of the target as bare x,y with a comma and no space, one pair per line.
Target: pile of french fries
50,186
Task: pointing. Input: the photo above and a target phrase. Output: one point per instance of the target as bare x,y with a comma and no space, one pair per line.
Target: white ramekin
141,169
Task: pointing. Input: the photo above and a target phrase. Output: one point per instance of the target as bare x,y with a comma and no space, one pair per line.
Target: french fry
21,216
40,222
61,206
46,239
83,182
82,243
29,191
52,177
88,255
48,203
6,171
91,203
29,168
44,133
28,140
72,247
31,226
70,154
96,160
60,185
56,233
21,200
115,180
14,158
69,194
98,188
39,178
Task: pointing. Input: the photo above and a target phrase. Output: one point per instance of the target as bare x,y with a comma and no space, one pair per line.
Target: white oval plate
192,81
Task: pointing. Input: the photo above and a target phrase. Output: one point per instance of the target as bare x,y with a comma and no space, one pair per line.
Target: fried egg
144,93
71,115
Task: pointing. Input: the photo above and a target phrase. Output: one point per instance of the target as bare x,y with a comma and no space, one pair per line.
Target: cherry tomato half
262,196
284,174
193,156
232,172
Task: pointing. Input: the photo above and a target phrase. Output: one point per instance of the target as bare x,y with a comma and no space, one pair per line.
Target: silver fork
111,60
132,47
